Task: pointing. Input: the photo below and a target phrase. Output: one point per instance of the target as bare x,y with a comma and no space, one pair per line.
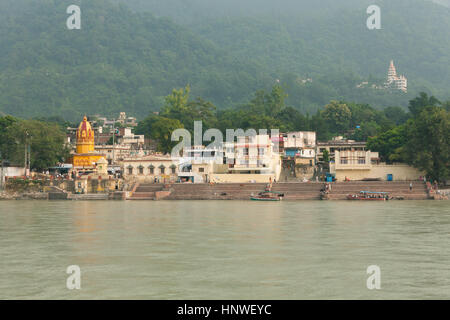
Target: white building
300,145
253,155
199,163
129,138
150,169
364,164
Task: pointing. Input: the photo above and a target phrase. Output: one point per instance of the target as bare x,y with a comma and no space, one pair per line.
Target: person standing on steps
410,186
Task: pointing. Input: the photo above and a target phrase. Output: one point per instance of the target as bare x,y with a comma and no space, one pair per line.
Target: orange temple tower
85,156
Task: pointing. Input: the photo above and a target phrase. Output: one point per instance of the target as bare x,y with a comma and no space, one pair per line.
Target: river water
224,249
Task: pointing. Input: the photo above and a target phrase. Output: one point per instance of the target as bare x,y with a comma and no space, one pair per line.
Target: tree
446,105
47,142
292,120
176,103
179,107
419,103
396,114
326,156
338,116
366,130
389,144
274,102
5,140
160,129
428,142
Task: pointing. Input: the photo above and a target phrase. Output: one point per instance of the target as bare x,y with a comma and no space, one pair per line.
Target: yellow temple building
85,156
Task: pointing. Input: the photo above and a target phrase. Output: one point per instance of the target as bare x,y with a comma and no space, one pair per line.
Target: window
151,169
245,151
163,169
173,168
344,160
141,170
261,151
201,169
361,160
130,170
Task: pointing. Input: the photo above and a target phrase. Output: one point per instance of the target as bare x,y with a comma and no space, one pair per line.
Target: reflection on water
224,249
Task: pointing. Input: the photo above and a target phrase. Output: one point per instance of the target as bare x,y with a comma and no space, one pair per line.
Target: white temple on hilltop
394,81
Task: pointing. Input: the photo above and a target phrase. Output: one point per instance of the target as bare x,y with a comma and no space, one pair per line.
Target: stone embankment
292,191
242,191
396,189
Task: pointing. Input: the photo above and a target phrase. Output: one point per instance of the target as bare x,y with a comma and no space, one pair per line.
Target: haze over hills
303,35
442,2
226,50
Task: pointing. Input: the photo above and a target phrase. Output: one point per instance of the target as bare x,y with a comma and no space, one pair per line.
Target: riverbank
242,191
292,191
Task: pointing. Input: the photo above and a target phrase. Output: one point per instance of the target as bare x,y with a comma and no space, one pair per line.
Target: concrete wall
304,172
13,171
400,172
88,186
241,178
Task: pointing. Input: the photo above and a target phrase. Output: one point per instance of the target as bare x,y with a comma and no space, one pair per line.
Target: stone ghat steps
143,196
292,191
402,195
398,188
149,187
379,183
340,190
146,191
378,189
90,196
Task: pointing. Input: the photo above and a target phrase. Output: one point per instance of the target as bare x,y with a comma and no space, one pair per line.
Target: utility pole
1,173
114,141
27,154
29,157
25,158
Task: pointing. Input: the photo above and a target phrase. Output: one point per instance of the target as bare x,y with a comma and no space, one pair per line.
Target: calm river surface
224,249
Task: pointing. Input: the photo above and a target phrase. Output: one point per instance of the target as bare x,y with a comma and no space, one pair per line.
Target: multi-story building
198,164
127,121
150,169
300,146
338,144
127,137
365,165
253,155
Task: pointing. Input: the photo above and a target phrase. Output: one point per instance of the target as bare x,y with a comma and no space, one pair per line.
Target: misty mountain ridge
128,61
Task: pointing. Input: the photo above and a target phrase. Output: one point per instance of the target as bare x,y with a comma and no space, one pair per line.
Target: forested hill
127,57
118,61
320,38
